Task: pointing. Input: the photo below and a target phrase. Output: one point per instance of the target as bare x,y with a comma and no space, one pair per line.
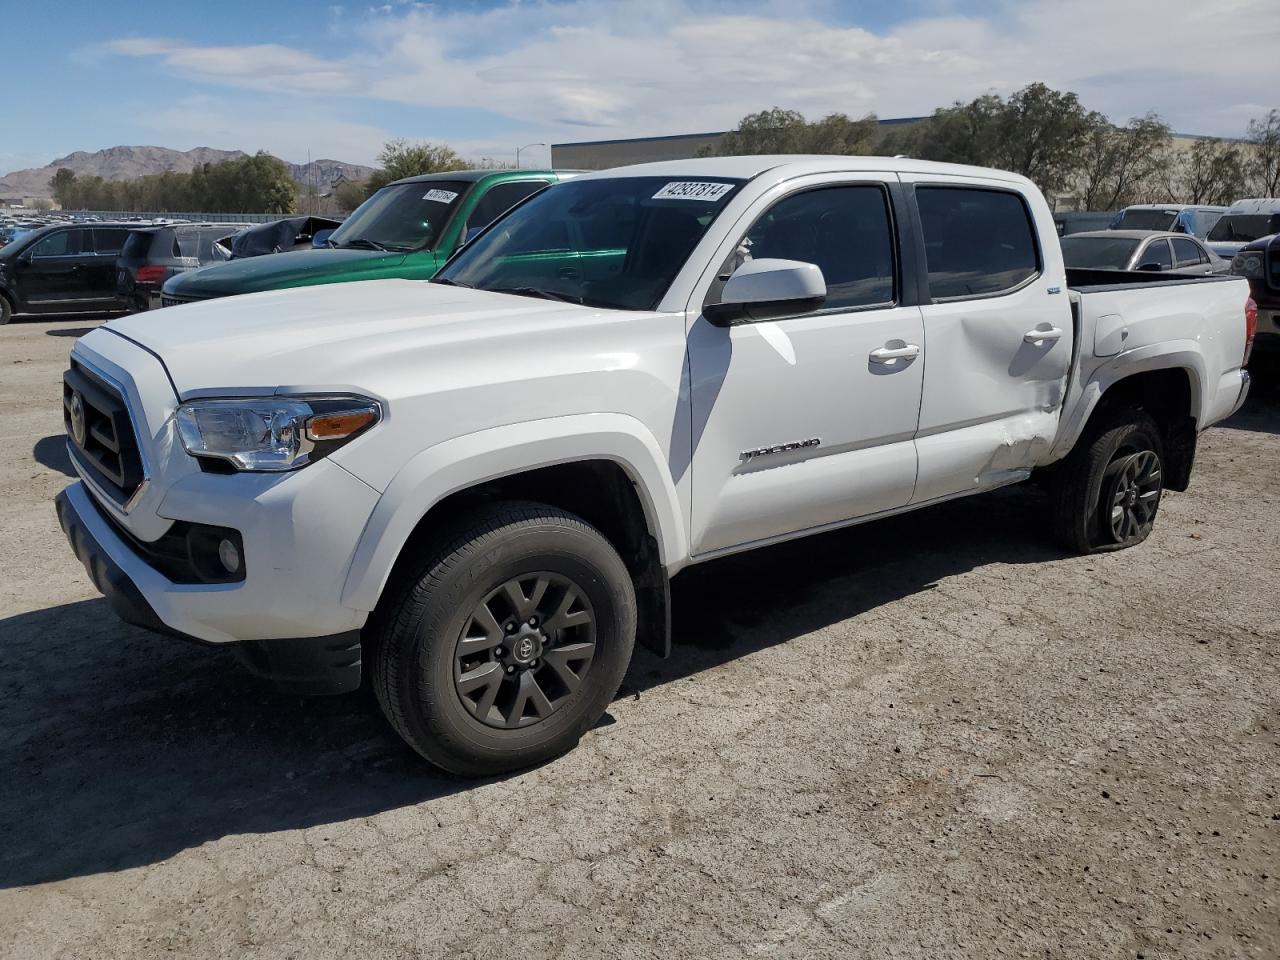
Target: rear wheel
1106,493
508,643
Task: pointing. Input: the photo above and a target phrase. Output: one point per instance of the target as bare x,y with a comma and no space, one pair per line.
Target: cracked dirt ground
928,737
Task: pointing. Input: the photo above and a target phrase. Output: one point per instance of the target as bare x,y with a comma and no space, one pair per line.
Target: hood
377,336
293,269
1262,243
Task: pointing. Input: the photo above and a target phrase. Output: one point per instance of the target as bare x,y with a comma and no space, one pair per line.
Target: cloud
595,69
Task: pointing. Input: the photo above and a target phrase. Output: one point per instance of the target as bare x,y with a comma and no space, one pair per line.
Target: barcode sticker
693,190
440,196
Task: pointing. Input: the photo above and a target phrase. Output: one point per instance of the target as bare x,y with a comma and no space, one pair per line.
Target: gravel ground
932,736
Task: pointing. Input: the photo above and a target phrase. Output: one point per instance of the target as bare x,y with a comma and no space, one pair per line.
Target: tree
349,194
1264,165
62,184
1211,172
962,133
400,158
42,203
786,131
1122,165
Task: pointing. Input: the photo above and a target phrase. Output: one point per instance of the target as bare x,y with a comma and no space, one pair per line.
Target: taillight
154,274
1250,328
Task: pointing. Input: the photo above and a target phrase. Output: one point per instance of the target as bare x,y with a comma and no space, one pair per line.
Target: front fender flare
475,458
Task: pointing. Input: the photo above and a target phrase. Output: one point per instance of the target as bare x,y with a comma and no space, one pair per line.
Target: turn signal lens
339,426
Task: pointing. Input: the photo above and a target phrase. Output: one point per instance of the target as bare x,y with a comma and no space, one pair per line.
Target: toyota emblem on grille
76,415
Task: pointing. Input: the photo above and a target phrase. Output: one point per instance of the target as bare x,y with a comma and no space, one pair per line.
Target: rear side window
110,242
498,201
137,246
844,230
1187,252
977,242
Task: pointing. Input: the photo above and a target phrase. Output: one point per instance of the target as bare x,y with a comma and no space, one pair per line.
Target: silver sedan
1141,250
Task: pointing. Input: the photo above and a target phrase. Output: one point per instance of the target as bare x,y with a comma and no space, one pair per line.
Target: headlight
273,433
1248,263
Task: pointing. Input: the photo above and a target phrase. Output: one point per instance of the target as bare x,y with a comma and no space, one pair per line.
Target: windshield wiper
446,282
538,292
366,243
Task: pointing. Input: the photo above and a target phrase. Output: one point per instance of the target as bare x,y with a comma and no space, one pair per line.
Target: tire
466,703
1106,493
6,310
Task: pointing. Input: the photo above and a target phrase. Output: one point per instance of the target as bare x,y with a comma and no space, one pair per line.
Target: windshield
1145,220
616,242
1098,253
1242,228
403,216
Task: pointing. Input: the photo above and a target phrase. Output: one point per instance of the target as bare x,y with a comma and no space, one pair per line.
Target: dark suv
152,255
64,268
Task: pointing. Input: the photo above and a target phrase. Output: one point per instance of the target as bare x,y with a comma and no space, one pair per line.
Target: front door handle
908,351
1038,336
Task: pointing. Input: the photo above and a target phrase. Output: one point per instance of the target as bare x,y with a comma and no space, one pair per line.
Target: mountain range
126,163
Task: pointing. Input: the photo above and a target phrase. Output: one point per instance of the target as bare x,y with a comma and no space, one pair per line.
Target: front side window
615,242
497,201
1187,252
845,231
977,242
1157,254
403,216
64,243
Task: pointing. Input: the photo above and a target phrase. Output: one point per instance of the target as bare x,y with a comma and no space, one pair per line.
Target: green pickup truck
408,229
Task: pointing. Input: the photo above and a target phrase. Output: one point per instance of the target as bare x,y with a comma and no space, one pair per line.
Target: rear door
100,272
998,331
805,420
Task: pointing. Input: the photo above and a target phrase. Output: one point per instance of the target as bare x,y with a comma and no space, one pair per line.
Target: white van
1244,222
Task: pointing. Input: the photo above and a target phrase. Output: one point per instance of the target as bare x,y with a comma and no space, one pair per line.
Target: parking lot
932,736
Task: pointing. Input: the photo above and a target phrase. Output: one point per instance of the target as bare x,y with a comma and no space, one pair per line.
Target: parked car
278,236
1170,217
478,488
151,255
62,269
1259,263
1244,222
1140,250
407,229
1079,221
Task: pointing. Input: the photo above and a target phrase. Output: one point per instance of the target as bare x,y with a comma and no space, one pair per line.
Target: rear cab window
979,241
496,201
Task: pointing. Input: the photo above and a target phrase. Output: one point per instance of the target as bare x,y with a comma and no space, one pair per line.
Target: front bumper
303,665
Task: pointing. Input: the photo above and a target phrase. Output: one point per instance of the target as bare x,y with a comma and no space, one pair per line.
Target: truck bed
1091,281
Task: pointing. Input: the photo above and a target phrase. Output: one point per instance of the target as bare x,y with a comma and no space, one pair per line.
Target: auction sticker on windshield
692,190
440,196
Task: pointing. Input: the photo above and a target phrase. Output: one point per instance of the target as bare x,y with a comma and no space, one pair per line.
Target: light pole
526,147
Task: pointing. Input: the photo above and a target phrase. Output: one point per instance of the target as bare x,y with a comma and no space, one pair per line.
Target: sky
338,79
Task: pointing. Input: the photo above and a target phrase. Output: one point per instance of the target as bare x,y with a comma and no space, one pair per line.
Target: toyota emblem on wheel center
524,650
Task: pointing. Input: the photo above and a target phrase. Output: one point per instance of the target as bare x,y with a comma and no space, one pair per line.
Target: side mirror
782,285
321,237
1150,267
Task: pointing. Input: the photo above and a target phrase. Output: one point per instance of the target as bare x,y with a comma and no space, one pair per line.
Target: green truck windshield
615,242
403,216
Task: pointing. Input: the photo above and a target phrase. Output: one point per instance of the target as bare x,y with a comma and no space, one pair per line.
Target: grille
1273,265
166,300
102,438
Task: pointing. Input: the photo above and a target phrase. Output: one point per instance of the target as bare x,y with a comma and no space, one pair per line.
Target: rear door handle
1042,336
889,354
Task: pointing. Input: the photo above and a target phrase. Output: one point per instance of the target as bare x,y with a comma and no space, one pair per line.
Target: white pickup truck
480,486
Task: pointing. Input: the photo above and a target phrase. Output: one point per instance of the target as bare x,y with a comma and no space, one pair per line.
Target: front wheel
508,642
6,310
1107,491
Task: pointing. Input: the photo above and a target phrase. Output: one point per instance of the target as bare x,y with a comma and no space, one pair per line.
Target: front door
55,275
807,420
999,330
